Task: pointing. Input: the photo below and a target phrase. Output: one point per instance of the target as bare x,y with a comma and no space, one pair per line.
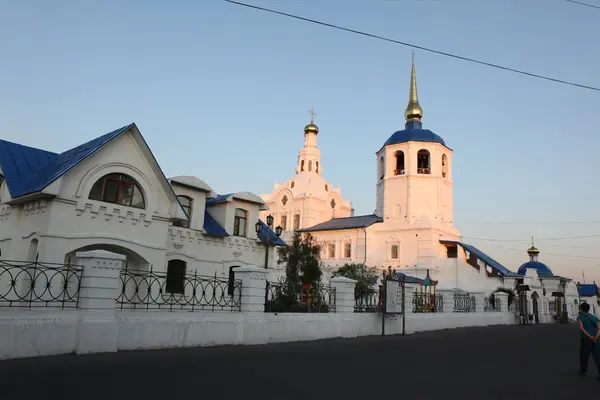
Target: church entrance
535,303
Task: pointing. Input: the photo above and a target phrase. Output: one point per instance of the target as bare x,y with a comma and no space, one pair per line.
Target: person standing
589,325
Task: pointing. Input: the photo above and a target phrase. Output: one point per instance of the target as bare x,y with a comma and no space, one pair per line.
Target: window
347,250
240,222
310,165
317,169
331,249
332,203
296,222
283,223
423,166
381,168
399,163
284,200
175,276
231,281
186,203
444,166
302,165
394,252
452,251
118,189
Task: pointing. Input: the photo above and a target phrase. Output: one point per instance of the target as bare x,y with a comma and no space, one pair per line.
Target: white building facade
110,194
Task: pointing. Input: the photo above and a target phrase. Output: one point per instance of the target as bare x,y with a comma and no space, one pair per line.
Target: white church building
111,194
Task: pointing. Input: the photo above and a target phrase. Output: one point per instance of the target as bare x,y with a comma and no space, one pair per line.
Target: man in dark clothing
589,325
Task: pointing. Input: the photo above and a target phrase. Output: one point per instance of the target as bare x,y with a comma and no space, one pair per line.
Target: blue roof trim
273,238
501,269
541,268
212,227
588,289
32,170
19,163
361,221
220,198
414,132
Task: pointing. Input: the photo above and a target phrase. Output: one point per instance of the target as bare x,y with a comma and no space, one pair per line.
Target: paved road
508,362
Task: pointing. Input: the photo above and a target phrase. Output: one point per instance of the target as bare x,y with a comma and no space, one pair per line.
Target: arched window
240,222
394,252
186,203
317,169
332,203
32,253
302,165
310,165
399,163
118,189
296,222
444,166
423,162
175,276
381,168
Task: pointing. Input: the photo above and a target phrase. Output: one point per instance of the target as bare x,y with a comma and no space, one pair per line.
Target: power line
583,4
528,223
529,240
552,254
414,46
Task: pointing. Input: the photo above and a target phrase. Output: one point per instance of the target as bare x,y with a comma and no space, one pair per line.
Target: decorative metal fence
427,303
492,304
38,284
319,299
368,301
464,302
149,290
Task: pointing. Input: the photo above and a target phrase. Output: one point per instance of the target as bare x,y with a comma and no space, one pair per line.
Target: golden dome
311,128
532,251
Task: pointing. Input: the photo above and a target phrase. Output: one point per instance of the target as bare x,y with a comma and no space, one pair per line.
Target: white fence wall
96,326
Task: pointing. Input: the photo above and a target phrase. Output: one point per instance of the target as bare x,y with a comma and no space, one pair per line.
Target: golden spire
533,251
413,112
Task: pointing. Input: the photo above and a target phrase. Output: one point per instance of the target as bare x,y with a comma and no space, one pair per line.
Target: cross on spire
312,115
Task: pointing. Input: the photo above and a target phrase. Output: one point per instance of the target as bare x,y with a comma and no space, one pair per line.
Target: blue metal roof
541,268
220,198
29,170
588,289
414,132
273,238
495,265
212,227
361,221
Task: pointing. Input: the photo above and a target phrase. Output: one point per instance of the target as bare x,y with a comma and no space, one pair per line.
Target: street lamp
258,229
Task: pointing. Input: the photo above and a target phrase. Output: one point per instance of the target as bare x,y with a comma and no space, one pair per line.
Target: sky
222,92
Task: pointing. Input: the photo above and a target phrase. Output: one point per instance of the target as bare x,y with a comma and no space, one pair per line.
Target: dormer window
118,189
240,222
186,203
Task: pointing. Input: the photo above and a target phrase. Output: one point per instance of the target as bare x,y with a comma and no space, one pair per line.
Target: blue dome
414,133
541,268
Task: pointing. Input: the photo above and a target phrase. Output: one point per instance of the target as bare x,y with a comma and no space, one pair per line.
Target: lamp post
258,229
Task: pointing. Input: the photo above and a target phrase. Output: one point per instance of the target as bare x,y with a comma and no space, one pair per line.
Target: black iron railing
464,302
492,304
320,298
427,303
149,290
39,284
368,301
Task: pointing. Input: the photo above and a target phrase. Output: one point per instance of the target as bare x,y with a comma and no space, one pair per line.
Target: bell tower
309,157
414,170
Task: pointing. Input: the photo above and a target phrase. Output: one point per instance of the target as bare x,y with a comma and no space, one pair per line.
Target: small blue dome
541,268
414,133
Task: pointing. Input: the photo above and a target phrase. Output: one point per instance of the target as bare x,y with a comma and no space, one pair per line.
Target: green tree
302,259
364,276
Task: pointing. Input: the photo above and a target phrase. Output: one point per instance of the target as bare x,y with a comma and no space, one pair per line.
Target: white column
448,299
344,294
479,301
502,299
254,286
97,330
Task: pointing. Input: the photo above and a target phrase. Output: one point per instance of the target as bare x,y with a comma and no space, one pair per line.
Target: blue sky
223,92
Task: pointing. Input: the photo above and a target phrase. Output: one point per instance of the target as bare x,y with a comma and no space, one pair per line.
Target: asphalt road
506,362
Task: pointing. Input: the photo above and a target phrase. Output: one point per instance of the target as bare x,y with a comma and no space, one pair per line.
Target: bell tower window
444,166
423,162
399,163
381,168
302,165
310,165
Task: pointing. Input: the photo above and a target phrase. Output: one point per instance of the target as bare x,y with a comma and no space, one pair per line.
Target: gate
393,302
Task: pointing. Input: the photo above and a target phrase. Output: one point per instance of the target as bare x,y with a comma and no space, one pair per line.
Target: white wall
41,333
